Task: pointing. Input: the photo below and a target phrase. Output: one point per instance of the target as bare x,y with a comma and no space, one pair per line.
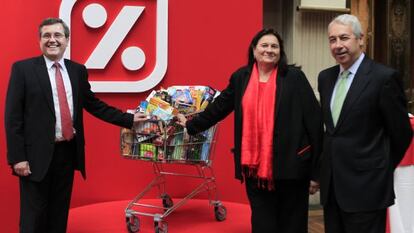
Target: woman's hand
313,187
181,120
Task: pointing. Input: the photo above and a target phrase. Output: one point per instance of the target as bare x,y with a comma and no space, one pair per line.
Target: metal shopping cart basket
162,143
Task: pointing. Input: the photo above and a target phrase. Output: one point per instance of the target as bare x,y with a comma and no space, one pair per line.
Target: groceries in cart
160,138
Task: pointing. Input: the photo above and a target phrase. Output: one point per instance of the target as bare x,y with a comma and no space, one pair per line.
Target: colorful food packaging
160,138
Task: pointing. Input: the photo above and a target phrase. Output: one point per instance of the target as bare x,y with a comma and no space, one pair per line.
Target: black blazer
30,115
373,131
297,122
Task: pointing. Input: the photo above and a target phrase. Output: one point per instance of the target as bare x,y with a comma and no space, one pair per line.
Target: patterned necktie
339,96
66,120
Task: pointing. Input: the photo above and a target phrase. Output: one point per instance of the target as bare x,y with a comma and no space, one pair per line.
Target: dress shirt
353,69
68,88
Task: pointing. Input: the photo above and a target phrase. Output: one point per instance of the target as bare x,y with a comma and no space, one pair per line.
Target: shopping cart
162,143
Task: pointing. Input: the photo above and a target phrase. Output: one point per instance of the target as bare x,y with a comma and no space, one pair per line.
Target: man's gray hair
351,20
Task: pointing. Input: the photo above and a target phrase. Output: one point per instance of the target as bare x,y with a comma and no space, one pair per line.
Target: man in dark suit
367,133
44,129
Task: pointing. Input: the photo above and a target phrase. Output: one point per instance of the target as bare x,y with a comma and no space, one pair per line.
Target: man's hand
22,168
140,117
181,120
313,187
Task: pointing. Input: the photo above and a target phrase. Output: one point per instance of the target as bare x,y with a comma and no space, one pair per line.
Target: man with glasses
367,133
44,128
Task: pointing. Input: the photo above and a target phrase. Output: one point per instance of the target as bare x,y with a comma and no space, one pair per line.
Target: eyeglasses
56,36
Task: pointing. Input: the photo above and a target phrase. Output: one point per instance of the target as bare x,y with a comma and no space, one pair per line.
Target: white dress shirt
68,88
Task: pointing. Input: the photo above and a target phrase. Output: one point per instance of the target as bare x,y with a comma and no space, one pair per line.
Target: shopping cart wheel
220,212
167,202
161,227
133,224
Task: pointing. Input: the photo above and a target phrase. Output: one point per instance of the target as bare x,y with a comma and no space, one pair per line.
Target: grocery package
160,138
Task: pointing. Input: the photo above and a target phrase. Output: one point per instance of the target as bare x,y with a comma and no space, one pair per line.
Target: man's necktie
339,96
66,119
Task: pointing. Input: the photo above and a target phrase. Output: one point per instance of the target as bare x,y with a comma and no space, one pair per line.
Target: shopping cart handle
193,113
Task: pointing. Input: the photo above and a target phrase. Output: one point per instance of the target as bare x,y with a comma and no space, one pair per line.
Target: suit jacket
297,128
30,115
373,131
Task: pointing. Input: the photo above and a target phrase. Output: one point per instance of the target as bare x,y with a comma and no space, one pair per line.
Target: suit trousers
44,205
339,221
282,210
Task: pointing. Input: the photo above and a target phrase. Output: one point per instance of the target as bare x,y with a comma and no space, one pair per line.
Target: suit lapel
75,83
358,85
243,85
279,90
329,87
43,77
245,81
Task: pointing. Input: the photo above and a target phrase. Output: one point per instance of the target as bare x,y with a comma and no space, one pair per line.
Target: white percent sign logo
133,58
94,15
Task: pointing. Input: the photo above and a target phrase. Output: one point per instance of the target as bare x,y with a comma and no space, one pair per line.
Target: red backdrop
208,40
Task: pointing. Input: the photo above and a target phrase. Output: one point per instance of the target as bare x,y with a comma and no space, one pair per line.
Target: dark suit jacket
30,115
297,122
373,131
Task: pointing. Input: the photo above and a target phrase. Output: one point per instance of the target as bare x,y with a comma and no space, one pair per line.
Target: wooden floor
316,221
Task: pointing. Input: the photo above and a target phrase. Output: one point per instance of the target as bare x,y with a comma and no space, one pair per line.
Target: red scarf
258,106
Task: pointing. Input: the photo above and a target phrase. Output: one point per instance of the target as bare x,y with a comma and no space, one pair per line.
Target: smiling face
267,50
344,45
53,42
